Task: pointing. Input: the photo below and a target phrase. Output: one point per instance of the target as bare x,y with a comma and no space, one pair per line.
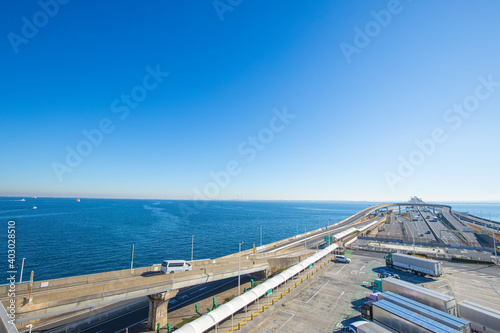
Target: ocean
63,237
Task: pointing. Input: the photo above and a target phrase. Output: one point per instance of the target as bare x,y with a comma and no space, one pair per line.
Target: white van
339,258
174,266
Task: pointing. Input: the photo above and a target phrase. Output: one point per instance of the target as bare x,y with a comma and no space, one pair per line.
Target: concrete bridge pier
399,210
158,308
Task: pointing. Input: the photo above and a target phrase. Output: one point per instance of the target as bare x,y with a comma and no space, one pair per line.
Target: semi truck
413,264
368,327
401,319
418,293
482,318
459,324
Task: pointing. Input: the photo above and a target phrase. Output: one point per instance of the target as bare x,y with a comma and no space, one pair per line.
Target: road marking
339,297
316,292
285,323
492,288
199,290
341,269
302,304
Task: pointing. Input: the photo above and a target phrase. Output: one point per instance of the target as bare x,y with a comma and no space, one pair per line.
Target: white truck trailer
404,320
413,264
482,318
368,327
459,324
420,294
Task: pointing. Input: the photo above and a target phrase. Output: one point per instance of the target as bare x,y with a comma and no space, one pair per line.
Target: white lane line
344,266
285,323
316,293
339,297
198,290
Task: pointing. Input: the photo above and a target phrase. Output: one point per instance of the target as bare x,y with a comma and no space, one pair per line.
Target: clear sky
312,100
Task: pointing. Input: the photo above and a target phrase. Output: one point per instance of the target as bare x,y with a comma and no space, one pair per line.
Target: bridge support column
399,210
158,308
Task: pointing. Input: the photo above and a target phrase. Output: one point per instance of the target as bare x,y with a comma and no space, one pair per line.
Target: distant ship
34,207
77,200
23,200
34,197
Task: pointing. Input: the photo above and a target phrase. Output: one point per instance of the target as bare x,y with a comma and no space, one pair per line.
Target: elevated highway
59,296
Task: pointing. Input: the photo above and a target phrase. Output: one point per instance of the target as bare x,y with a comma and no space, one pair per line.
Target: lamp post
192,247
132,258
239,266
22,268
329,235
494,241
305,242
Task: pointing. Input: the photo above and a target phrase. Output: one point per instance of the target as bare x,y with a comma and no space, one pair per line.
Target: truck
482,318
415,265
418,293
459,324
364,326
401,319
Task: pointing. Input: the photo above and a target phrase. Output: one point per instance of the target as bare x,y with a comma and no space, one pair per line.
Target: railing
408,241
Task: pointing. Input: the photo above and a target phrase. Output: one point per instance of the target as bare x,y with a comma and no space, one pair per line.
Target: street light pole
494,241
132,258
261,235
329,235
239,266
192,247
22,268
305,242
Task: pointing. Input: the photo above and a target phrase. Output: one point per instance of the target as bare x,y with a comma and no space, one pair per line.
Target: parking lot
332,299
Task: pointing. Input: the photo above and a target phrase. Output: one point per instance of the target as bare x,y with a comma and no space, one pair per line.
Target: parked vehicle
482,318
413,264
383,274
174,266
363,326
459,324
339,258
401,319
420,294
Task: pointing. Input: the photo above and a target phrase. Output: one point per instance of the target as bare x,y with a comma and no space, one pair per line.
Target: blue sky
326,123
